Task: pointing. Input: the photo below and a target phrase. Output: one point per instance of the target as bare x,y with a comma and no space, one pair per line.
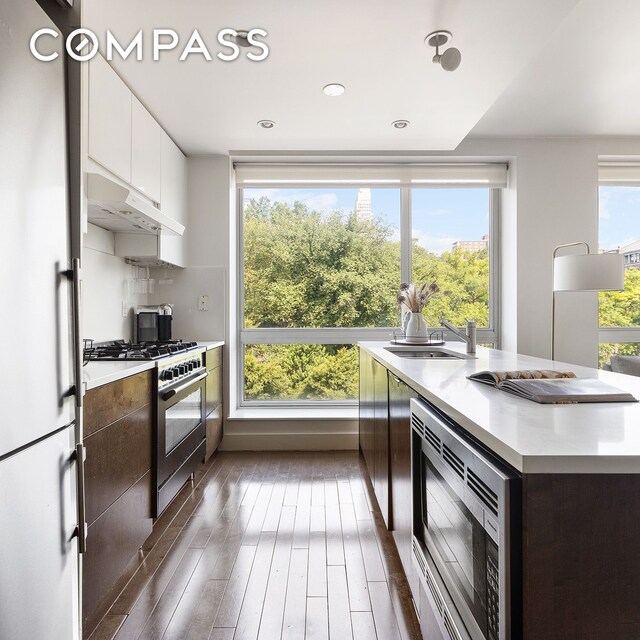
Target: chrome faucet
469,337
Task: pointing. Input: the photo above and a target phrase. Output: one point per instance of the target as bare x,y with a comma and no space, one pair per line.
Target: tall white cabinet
109,119
126,141
146,143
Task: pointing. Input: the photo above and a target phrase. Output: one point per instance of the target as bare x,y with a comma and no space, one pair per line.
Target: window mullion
405,234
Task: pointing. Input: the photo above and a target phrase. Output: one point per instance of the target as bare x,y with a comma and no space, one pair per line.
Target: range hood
118,208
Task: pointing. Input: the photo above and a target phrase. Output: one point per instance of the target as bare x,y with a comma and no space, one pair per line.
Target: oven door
181,428
463,552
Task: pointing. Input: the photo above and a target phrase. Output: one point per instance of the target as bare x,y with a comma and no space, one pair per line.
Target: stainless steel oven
467,508
181,430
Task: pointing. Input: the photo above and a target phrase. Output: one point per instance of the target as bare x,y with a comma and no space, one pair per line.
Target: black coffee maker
153,323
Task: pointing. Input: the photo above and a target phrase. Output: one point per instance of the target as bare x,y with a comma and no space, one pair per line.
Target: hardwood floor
267,546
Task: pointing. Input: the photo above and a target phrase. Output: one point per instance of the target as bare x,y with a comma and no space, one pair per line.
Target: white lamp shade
589,272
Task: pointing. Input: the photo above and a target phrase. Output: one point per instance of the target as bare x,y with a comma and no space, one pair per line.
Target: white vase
415,327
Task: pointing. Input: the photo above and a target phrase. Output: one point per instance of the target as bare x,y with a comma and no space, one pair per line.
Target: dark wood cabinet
374,427
119,420
400,395
213,400
366,417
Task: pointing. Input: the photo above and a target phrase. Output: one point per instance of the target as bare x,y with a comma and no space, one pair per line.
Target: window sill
293,413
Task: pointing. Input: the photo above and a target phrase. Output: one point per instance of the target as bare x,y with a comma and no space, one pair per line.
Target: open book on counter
552,387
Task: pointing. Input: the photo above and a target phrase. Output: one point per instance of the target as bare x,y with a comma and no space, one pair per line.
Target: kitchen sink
427,352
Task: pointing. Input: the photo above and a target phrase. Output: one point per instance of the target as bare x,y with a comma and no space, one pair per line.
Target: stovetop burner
121,350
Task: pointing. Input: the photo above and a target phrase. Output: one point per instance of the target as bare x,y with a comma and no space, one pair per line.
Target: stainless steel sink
427,352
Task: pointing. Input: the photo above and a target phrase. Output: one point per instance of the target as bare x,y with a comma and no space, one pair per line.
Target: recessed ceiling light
334,89
400,124
267,124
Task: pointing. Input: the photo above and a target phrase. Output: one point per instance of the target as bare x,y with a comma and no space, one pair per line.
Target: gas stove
123,351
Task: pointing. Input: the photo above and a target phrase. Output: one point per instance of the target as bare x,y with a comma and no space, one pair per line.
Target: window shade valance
619,174
345,175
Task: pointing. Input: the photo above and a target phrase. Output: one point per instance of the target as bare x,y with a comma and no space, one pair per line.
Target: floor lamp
584,272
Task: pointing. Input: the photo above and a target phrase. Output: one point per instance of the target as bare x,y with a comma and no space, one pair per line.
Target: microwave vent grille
417,552
453,461
417,424
432,438
483,491
434,592
450,627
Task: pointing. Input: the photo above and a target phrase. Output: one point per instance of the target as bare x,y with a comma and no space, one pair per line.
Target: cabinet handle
397,379
80,455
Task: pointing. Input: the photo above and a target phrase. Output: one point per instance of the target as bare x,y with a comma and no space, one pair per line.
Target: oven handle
172,392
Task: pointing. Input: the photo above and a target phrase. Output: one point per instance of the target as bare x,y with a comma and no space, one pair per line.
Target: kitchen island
532,438
576,520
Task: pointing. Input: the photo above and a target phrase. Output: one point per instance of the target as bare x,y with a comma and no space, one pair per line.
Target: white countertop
533,438
211,345
96,373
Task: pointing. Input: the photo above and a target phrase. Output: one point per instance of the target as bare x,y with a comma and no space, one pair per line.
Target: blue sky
440,216
619,216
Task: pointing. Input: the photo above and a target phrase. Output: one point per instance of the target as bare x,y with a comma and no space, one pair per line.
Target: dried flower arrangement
414,298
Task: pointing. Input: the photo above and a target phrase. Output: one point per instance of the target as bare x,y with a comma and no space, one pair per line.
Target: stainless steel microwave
467,522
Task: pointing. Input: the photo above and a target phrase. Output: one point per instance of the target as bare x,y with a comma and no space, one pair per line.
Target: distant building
631,253
472,245
363,204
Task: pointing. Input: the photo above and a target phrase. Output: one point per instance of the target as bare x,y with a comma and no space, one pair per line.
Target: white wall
105,284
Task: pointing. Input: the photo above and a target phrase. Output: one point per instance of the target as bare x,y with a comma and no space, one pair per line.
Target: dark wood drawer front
117,457
214,389
214,431
111,402
214,358
113,540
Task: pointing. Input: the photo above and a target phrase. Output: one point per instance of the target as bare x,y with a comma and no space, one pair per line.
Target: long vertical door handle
77,337
80,456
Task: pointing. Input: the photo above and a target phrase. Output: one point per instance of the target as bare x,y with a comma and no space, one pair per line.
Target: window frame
617,175
353,335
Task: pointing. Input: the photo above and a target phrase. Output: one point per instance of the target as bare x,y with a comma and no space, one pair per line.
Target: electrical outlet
125,309
203,303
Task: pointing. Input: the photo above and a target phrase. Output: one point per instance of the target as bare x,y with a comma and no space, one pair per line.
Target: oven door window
182,418
456,540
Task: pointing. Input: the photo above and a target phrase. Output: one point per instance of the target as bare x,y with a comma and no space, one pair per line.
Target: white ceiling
529,67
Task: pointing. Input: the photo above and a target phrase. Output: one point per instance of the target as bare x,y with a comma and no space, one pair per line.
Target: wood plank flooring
267,546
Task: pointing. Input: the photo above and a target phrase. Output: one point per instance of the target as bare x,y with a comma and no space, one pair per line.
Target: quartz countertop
531,437
99,372
211,345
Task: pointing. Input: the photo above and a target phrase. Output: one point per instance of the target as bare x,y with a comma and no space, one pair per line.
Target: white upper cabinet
109,119
146,144
173,193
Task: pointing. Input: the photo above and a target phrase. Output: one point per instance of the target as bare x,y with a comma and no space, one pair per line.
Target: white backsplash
106,283
188,285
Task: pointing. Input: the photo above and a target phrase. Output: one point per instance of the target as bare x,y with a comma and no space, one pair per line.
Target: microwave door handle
167,395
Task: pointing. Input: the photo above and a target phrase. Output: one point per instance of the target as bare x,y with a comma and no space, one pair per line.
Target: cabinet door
109,119
366,424
400,396
381,438
146,149
173,184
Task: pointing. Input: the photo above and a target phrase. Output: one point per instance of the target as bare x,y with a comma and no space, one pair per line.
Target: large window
321,262
619,230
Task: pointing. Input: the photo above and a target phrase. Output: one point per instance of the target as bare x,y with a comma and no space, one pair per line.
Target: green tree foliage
301,372
463,278
304,268
621,309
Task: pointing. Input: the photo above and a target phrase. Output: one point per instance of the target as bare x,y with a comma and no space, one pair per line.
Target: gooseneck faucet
469,337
